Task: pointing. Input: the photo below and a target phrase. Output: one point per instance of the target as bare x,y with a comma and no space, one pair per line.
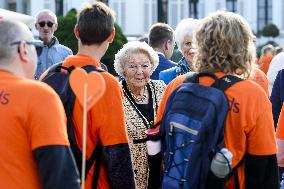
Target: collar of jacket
52,42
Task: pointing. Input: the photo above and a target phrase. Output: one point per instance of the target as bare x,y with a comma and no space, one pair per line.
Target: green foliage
114,47
65,29
176,55
270,30
66,37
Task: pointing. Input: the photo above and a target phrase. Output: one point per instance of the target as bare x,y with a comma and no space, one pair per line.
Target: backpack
58,78
192,130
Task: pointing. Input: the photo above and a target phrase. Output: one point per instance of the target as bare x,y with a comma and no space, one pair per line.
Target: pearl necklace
142,98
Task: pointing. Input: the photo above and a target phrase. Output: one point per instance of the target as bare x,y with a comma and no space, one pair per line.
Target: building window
178,10
193,10
12,6
25,7
241,8
282,16
119,9
46,4
264,13
59,7
150,13
231,5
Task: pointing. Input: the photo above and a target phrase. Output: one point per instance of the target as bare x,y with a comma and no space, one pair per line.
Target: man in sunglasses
34,145
52,52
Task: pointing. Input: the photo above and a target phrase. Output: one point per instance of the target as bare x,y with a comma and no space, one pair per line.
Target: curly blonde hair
225,44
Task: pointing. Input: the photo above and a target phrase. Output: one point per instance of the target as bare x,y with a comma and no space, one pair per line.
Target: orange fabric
31,116
248,123
280,125
105,119
264,62
260,78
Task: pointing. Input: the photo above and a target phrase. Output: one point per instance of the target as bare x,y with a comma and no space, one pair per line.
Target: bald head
17,50
11,31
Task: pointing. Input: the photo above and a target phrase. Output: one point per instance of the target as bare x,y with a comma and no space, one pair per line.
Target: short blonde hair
123,55
224,43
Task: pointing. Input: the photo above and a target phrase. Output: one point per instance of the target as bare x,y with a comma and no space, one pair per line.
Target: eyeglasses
134,68
42,24
37,43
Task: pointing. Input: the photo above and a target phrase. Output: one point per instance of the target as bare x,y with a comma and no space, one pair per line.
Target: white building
136,16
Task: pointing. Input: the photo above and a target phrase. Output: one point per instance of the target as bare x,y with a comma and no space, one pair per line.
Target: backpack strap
59,68
97,153
193,77
225,82
234,172
222,84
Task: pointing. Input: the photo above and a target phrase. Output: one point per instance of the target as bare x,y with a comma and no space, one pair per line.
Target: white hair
48,12
185,27
122,56
11,31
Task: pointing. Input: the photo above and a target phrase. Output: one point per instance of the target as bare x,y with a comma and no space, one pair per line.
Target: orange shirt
260,78
264,62
248,122
31,116
105,119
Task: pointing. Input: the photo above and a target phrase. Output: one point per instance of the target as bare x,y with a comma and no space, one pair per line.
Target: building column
3,4
278,14
20,7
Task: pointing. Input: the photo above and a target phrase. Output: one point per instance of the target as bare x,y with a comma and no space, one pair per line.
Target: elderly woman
135,62
183,36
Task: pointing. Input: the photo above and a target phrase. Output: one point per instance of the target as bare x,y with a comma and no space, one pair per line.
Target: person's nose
139,69
45,27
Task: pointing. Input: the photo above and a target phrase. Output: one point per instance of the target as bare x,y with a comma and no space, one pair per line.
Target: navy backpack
192,130
58,78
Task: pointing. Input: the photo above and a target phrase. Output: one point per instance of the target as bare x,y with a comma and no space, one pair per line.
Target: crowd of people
34,139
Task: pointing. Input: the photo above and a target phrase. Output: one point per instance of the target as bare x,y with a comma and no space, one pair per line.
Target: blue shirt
168,75
164,64
51,54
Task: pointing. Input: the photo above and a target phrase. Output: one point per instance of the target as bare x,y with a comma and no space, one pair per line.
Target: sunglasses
42,24
37,43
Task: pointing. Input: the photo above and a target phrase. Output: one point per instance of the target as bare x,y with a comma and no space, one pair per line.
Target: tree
270,30
65,29
66,37
115,46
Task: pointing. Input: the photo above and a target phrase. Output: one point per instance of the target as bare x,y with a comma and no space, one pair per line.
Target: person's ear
36,26
55,26
23,53
167,44
111,36
76,32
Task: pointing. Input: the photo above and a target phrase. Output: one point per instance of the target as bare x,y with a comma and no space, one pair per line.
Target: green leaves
114,47
65,29
270,30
